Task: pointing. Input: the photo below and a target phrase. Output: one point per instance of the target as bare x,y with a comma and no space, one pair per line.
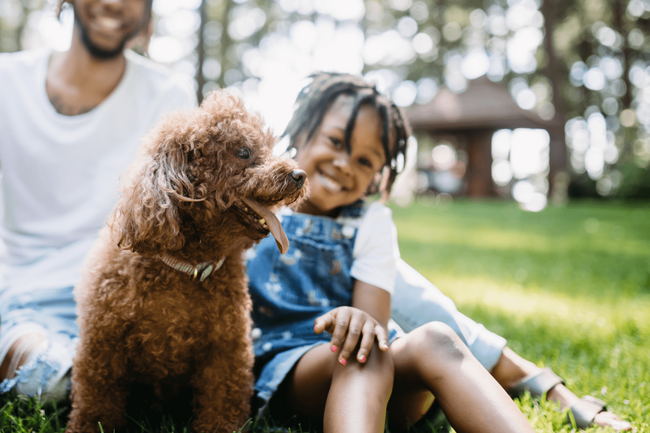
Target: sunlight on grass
580,315
568,287
505,239
527,232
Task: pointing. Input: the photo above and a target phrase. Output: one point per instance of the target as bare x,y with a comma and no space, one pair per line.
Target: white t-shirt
376,250
60,173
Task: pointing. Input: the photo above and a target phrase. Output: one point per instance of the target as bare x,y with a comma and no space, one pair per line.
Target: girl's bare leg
352,398
433,358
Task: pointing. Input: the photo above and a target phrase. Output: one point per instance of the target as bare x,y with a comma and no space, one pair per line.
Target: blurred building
468,120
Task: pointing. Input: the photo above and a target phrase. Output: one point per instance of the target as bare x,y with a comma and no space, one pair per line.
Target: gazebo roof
484,105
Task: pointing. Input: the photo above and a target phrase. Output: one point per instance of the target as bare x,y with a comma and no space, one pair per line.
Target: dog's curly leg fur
99,393
223,393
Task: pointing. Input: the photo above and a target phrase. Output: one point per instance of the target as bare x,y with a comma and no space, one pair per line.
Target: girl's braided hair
315,99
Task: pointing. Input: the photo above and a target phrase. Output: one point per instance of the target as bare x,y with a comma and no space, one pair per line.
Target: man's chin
98,52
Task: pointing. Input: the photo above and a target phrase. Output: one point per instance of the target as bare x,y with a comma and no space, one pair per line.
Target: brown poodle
163,296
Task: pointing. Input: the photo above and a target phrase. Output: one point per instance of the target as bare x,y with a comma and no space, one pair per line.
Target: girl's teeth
330,184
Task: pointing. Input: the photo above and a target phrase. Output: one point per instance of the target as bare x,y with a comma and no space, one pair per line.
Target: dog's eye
243,153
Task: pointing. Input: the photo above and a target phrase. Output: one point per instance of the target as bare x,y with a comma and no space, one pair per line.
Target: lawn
568,287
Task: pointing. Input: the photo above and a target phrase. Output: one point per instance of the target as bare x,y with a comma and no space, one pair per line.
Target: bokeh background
569,79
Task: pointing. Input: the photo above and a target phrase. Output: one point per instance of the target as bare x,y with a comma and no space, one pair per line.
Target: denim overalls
290,291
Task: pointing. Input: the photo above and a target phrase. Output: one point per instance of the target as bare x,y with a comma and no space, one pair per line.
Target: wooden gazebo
472,117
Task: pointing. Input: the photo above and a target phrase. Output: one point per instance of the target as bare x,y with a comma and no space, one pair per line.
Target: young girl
338,277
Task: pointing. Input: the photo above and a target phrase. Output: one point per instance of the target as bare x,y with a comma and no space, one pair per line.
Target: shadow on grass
580,271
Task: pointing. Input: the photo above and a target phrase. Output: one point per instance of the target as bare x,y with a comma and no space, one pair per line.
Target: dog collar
205,268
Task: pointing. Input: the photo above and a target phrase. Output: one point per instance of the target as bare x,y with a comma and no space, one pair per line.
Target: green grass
568,287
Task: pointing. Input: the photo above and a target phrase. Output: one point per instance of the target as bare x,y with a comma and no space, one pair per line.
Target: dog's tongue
272,222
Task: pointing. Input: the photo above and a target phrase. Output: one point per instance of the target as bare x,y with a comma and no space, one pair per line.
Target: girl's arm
374,269
372,300
367,320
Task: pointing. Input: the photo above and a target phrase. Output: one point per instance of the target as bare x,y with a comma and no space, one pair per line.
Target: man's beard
96,51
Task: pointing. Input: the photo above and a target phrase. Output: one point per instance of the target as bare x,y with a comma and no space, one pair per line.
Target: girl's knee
440,342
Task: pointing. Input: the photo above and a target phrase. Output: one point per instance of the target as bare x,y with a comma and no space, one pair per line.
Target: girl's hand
347,324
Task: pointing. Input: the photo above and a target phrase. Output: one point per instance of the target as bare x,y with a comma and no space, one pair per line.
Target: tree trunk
479,164
225,41
200,50
618,22
556,73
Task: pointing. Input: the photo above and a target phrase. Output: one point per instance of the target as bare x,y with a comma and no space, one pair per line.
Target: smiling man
70,122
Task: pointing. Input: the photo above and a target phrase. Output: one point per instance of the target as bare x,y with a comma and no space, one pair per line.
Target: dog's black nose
298,177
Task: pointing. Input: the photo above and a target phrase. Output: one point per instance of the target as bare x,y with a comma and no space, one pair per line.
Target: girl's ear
147,217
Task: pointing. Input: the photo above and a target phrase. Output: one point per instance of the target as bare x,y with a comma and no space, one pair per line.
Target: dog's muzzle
298,178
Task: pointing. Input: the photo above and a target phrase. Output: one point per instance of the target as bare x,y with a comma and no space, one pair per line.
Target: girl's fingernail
342,361
334,349
362,358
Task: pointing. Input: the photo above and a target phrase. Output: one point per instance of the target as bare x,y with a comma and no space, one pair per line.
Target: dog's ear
147,217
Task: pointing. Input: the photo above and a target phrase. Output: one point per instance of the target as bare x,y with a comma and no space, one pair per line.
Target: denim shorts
52,314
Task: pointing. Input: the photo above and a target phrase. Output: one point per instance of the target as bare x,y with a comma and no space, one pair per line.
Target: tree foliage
582,62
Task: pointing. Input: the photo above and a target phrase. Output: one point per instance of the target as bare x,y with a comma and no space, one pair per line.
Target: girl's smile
337,178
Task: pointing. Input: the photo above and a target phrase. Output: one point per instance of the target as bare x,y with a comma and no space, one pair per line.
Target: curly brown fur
143,321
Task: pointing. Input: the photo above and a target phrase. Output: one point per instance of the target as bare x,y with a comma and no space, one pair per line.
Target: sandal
585,410
538,384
